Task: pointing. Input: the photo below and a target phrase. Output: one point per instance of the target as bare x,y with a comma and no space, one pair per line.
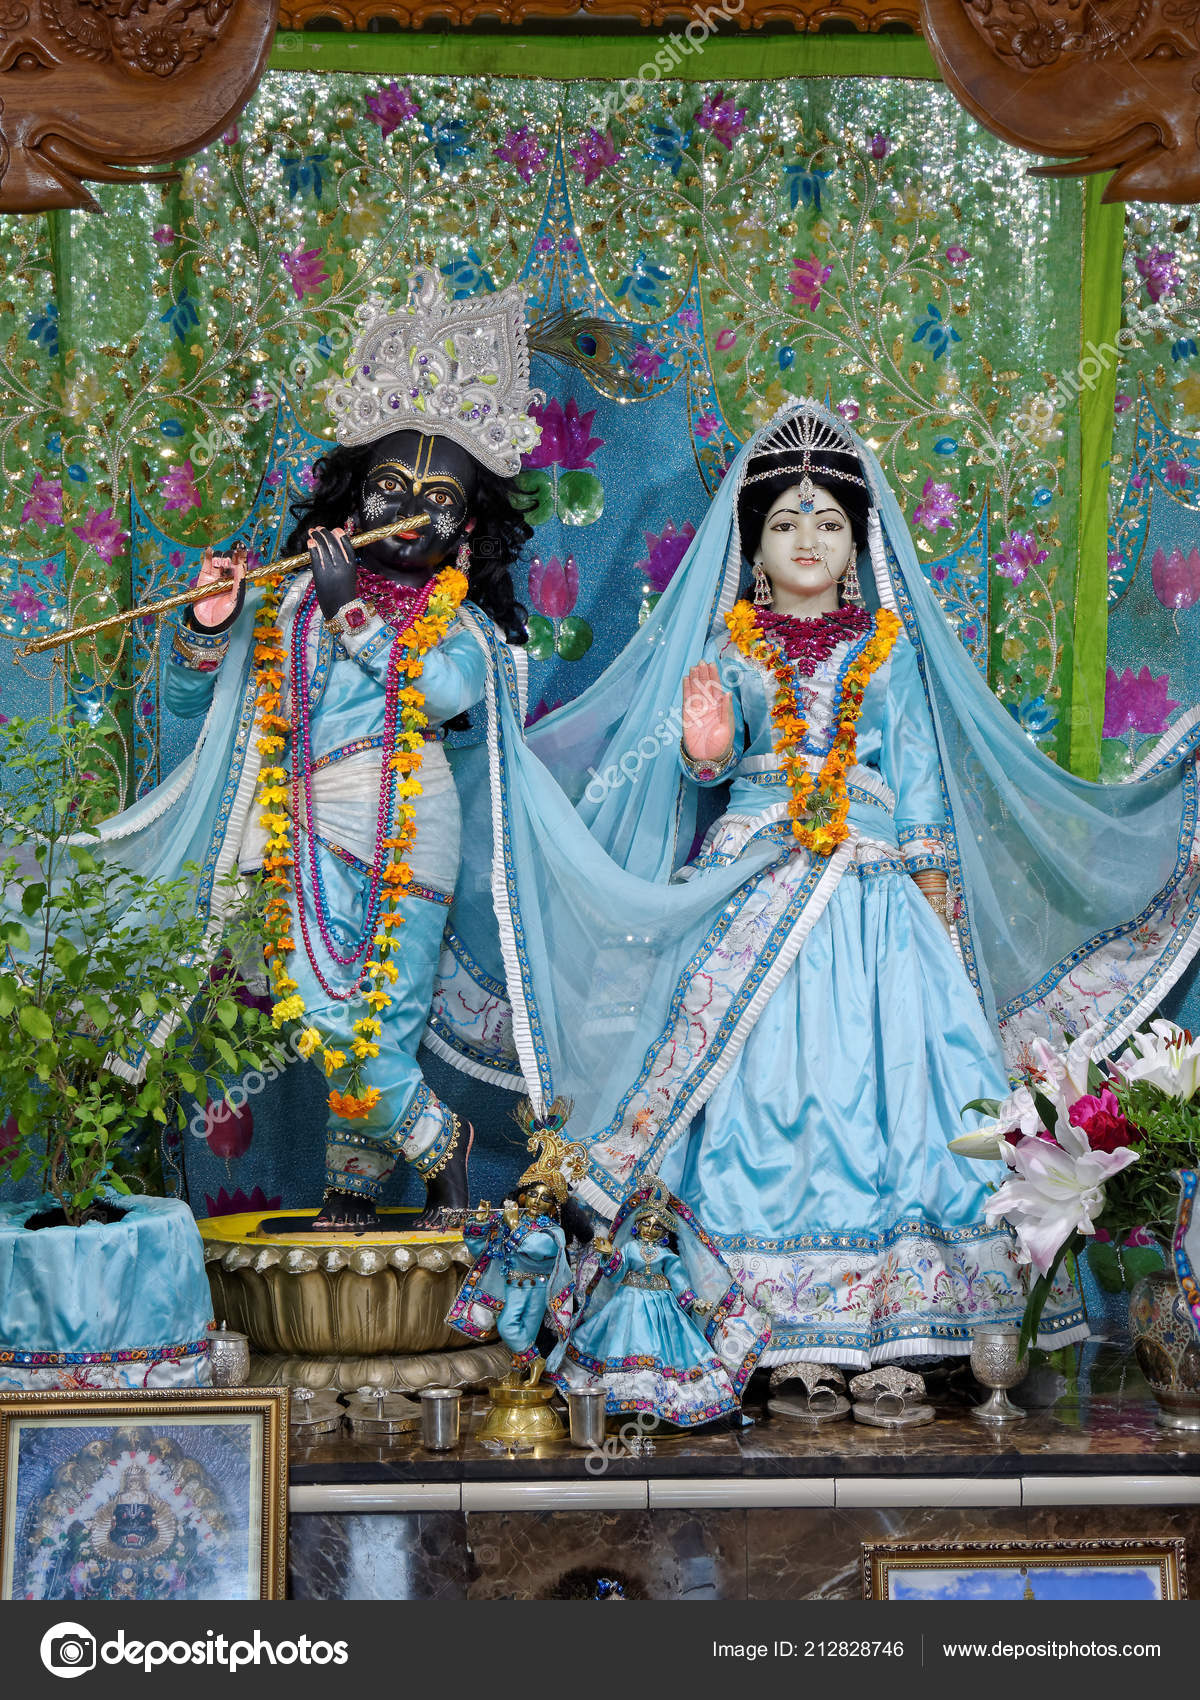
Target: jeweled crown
797,434
457,369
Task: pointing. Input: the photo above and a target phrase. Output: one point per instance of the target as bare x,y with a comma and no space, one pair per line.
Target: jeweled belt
649,1283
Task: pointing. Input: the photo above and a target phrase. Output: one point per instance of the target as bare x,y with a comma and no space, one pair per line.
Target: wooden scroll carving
411,14
89,87
1111,82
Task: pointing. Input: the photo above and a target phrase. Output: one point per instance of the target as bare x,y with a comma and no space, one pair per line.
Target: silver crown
799,433
457,369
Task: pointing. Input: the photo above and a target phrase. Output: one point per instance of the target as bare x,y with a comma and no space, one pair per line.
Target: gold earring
762,588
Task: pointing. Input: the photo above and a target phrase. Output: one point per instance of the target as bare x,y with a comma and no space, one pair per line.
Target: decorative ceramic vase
1168,1351
1164,1319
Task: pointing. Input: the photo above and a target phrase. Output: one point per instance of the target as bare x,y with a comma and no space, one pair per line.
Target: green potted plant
116,1010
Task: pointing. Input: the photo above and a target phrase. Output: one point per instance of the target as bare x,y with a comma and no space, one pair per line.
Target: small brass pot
521,1415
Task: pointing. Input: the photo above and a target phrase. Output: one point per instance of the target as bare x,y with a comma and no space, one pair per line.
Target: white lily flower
1064,1076
986,1143
1166,1057
1059,1192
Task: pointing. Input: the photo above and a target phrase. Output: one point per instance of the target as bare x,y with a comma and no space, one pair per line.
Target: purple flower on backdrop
664,554
1160,271
595,153
706,425
541,710
44,507
646,362
1018,553
688,316
228,1133
957,254
938,507
306,268
390,107
101,532
848,411
25,603
523,151
164,235
722,117
179,488
1122,403
567,439
1177,472
554,586
1135,702
805,280
880,145
1176,577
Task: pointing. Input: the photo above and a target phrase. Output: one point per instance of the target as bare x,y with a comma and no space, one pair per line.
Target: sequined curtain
770,217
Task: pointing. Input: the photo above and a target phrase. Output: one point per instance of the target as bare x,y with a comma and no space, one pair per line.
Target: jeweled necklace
809,640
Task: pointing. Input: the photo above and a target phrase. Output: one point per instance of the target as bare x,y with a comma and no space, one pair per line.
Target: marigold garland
818,806
407,658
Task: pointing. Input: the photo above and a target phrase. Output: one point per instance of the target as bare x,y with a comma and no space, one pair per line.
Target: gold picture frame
171,1495
1115,1568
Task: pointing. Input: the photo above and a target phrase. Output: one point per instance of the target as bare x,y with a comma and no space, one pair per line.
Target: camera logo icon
69,1649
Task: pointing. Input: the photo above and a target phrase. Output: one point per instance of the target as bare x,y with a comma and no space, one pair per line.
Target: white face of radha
805,555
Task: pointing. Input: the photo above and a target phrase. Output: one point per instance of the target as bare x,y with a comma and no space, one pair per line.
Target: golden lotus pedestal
521,1416
344,1311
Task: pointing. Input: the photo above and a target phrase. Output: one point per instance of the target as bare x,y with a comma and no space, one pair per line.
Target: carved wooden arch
1112,83
358,15
89,88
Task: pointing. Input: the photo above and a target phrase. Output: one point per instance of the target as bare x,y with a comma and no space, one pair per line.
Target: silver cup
995,1364
229,1356
441,1418
587,1410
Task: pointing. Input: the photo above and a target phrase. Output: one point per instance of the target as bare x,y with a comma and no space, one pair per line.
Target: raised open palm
707,714
214,609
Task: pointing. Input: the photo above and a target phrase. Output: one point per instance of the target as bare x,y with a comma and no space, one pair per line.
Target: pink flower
957,254
880,146
1123,403
804,283
101,532
687,316
720,116
1176,577
1059,1191
164,236
1101,1119
179,488
848,411
1018,553
44,507
25,604
706,425
664,554
646,362
1161,272
566,437
228,1132
524,152
1177,472
306,269
1136,703
726,338
937,508
595,154
554,587
390,107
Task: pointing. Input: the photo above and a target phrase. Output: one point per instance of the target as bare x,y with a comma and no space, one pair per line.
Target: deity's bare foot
345,1213
447,1190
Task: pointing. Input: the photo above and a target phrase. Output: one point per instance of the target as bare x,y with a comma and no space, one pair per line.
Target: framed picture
144,1496
1025,1570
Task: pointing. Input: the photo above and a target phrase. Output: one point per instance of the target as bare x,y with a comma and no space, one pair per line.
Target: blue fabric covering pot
118,1305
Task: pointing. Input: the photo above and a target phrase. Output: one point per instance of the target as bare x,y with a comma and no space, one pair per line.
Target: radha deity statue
787,1023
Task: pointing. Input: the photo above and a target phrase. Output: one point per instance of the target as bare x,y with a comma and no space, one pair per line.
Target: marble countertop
1099,1419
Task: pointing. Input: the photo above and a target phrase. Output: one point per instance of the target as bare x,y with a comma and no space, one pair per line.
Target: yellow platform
244,1230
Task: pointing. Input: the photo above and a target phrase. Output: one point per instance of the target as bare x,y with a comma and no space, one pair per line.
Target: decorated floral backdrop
164,366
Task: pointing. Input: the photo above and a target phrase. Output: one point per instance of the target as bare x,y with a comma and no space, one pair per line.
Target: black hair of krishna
501,529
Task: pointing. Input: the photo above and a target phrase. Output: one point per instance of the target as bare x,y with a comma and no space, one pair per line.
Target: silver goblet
995,1364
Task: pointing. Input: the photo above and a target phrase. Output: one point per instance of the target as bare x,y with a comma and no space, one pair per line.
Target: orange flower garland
408,658
818,806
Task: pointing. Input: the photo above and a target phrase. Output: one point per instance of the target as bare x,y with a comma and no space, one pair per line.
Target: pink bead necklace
806,642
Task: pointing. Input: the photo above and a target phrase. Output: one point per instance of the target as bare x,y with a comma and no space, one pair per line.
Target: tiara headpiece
795,439
457,369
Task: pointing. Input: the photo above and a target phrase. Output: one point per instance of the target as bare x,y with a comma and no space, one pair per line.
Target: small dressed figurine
661,1321
521,1270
